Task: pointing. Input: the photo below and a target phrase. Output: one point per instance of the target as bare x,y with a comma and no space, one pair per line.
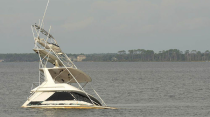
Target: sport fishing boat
56,87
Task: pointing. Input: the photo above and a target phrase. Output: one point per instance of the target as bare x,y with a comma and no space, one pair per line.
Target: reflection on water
136,88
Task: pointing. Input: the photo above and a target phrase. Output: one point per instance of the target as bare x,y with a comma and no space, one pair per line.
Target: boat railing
30,95
34,84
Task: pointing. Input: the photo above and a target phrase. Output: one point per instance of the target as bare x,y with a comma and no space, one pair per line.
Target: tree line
165,55
31,57
23,57
136,55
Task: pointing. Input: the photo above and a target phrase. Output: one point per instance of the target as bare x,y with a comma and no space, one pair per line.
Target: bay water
137,89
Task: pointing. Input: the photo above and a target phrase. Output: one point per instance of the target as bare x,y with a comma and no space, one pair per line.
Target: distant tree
187,55
131,52
206,55
122,52
199,55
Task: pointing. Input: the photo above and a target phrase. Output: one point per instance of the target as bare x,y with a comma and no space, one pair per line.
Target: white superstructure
55,89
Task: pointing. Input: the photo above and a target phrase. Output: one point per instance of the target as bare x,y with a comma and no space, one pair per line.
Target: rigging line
72,78
33,32
43,17
34,37
98,95
48,36
84,85
47,61
46,55
59,74
73,96
69,81
70,61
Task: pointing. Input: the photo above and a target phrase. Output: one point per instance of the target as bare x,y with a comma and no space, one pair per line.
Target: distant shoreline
138,55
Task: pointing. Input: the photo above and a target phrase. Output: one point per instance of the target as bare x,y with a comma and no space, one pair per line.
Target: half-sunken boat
55,88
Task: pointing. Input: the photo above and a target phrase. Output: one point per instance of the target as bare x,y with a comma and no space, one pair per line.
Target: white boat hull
71,107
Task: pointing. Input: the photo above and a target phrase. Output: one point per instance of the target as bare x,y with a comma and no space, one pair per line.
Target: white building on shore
81,57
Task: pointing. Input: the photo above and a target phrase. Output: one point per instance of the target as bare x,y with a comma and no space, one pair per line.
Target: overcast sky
107,26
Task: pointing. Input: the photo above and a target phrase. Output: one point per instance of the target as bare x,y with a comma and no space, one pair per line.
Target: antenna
43,17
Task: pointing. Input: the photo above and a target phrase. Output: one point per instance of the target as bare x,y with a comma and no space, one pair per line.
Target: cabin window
60,96
35,103
71,96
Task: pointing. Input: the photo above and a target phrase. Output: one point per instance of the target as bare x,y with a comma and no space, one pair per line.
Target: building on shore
114,59
1,60
81,57
72,58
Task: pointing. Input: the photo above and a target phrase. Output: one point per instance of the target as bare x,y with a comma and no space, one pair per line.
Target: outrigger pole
43,17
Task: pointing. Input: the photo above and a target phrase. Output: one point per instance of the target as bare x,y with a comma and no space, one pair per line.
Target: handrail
34,84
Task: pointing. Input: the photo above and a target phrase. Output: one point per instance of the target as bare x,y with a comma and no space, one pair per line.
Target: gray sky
107,26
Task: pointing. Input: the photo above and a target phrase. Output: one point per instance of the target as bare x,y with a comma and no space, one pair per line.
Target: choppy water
138,89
